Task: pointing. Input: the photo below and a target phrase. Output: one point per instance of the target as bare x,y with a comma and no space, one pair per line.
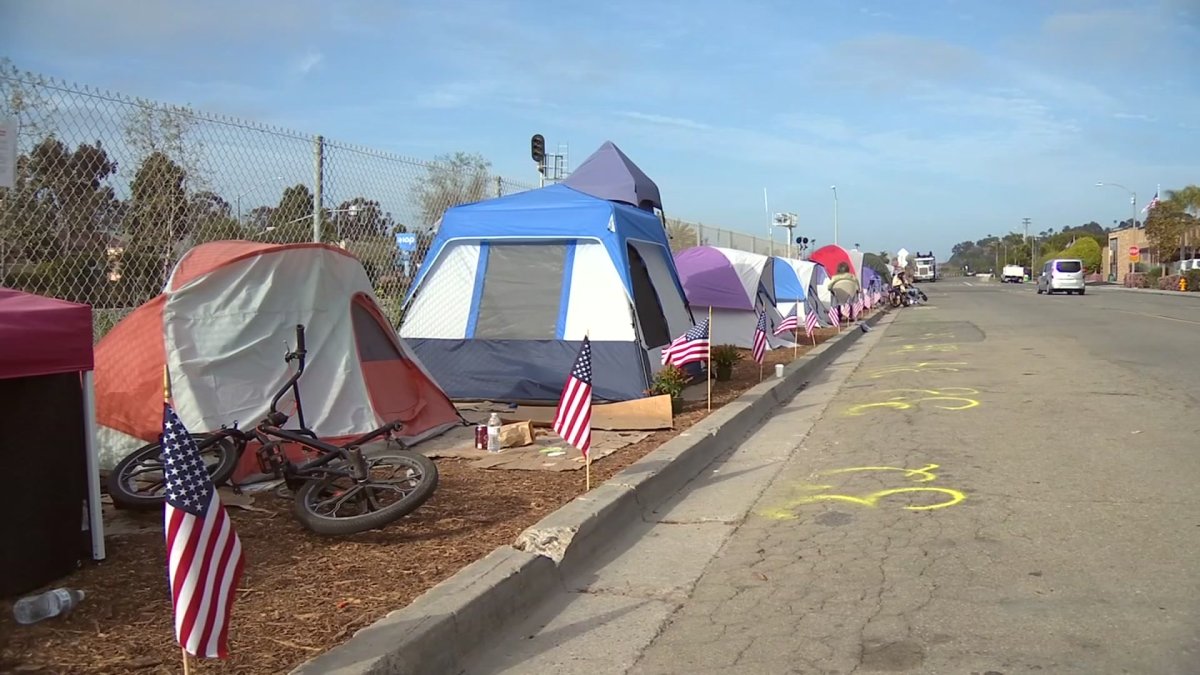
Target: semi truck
926,266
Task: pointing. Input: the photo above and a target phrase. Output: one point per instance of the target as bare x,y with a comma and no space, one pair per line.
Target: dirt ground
300,593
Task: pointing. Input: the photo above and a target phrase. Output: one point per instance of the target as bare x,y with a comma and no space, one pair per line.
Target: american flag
858,306
810,322
759,349
691,347
834,319
790,322
573,419
204,554
1153,203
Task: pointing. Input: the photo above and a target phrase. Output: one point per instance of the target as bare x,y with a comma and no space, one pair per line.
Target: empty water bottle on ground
493,428
37,608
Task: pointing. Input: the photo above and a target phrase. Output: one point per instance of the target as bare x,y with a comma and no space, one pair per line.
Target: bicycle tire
120,479
305,503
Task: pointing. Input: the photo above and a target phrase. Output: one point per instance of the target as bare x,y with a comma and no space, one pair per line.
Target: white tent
736,285
220,330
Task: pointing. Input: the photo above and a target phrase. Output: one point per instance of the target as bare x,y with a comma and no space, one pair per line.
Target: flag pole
709,371
587,456
187,668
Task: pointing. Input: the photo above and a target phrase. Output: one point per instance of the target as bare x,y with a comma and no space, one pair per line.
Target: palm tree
681,234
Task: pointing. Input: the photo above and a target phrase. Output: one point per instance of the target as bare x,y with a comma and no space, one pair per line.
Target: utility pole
835,214
1032,257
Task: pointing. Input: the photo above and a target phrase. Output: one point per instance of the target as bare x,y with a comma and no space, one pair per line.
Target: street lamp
835,214
1132,200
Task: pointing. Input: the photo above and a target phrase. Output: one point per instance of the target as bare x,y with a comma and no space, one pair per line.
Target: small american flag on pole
573,419
834,319
760,338
810,322
1153,203
858,307
790,323
204,554
690,347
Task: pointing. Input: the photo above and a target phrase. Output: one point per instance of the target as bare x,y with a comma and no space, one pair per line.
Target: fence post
318,185
499,186
699,234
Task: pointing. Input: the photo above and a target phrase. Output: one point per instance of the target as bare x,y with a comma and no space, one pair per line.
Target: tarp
609,174
43,336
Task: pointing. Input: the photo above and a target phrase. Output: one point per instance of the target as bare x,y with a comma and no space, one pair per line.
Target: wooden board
642,414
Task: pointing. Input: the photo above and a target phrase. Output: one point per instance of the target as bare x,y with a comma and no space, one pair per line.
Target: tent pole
95,514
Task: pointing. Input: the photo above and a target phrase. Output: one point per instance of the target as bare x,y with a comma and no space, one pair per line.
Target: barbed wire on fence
110,191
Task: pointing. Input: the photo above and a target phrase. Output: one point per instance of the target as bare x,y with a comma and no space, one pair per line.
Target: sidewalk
1147,291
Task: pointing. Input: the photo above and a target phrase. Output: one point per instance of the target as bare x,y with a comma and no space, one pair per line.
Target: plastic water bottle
36,608
494,433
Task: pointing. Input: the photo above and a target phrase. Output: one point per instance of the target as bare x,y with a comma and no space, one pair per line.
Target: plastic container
35,608
493,433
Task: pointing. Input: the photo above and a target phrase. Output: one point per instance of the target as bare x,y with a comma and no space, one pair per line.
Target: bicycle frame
269,430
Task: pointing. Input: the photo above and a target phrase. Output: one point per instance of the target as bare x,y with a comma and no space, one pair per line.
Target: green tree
1087,250
451,180
60,208
1166,225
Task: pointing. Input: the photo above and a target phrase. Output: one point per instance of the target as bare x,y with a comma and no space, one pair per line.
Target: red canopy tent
48,424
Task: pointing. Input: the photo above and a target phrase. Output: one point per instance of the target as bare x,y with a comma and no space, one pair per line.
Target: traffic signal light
537,148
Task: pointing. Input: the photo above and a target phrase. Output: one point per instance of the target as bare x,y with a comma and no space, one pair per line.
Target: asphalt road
994,483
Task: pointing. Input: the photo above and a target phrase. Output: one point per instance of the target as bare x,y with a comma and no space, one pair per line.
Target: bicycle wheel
137,481
398,484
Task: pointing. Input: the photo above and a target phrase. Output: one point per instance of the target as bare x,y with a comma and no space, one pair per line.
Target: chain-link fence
110,191
685,235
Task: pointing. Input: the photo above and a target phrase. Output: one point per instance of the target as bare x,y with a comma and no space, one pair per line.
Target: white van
1061,274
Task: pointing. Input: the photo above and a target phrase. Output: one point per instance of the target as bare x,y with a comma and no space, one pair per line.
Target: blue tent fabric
553,212
534,370
787,285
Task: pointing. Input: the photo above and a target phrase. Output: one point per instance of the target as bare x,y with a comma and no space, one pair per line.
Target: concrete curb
1151,291
435,632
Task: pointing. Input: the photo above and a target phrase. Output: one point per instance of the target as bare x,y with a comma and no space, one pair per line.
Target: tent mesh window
651,318
522,292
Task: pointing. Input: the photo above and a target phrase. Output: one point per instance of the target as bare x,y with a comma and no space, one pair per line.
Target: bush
1153,277
1193,280
725,355
670,380
1169,282
1087,250
1136,280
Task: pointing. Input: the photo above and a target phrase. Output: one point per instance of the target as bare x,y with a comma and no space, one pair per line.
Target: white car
1061,274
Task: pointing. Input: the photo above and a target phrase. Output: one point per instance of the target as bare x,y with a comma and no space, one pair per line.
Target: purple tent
609,174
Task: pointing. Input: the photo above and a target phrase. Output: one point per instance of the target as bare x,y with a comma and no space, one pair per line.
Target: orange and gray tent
221,329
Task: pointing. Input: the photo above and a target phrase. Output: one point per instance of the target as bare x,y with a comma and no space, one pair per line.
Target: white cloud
455,94
682,122
305,64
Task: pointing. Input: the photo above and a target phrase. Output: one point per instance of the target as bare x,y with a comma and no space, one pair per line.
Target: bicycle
340,491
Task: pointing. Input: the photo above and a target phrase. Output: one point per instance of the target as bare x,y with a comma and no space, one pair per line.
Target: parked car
1061,274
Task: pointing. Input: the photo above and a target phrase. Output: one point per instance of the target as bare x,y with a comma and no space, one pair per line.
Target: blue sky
939,120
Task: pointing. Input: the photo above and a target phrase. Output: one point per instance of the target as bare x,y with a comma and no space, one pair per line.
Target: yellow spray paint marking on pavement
940,348
950,398
937,336
922,367
947,496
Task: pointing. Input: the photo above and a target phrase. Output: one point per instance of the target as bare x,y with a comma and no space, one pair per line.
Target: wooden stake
710,376
760,372
588,472
166,385
187,668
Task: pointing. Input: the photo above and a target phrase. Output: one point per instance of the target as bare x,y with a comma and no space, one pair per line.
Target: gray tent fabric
609,174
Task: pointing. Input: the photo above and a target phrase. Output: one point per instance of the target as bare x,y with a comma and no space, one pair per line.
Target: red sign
1134,251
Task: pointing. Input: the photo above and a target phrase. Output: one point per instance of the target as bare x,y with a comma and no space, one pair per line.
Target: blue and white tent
510,286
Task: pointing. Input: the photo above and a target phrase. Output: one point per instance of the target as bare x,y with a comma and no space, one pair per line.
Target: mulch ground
302,594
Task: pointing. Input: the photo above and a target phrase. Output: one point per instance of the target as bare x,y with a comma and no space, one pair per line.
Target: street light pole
835,214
